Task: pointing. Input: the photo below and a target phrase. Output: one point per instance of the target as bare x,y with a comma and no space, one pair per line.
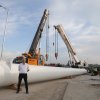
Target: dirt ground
83,87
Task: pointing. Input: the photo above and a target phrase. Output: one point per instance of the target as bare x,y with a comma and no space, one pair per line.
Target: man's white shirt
23,68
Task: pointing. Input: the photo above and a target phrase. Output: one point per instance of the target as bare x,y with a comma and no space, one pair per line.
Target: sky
80,19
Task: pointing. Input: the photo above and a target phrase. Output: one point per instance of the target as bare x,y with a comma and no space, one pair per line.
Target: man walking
23,69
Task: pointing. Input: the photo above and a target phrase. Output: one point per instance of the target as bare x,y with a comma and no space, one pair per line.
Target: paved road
80,88
83,88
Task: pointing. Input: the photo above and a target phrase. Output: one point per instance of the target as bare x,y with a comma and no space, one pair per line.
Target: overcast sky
80,19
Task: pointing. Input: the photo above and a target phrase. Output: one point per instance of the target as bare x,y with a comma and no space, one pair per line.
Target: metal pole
4,31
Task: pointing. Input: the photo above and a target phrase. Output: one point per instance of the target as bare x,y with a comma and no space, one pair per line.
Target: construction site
83,87
49,79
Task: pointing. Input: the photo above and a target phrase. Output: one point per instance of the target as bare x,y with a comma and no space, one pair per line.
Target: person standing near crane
23,69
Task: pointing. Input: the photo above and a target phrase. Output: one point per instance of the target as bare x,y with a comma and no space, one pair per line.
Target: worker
23,69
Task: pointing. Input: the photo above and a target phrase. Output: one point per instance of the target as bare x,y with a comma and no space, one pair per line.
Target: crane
33,57
70,48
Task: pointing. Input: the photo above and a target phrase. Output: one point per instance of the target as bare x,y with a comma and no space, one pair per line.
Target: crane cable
70,60
39,47
56,44
47,38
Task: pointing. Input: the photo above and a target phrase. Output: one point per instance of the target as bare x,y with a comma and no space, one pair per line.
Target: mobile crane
33,57
65,38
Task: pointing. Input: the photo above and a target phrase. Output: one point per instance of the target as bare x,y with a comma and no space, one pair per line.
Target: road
83,87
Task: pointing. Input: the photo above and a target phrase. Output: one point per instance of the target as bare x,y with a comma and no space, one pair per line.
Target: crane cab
36,60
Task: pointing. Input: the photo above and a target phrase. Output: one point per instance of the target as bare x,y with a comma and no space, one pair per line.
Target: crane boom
32,57
67,42
39,32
